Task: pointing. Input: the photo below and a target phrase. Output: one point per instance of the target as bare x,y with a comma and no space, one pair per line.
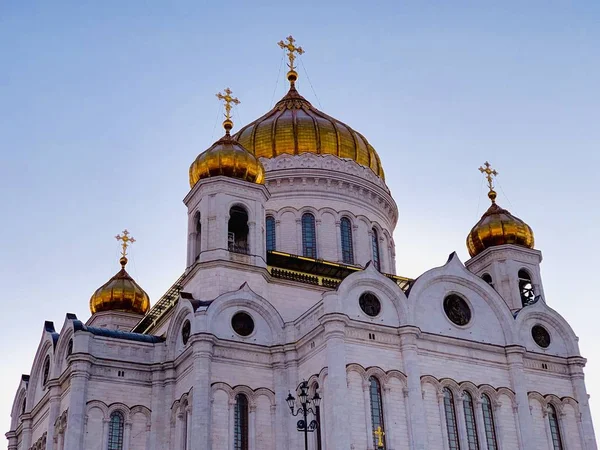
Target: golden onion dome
120,293
227,156
295,126
497,226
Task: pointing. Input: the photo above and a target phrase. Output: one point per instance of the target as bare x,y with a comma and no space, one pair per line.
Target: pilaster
80,375
576,366
514,355
53,412
203,347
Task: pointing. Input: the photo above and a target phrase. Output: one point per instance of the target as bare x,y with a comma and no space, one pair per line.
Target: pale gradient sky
103,106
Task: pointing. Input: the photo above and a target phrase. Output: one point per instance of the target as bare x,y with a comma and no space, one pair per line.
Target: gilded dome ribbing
294,126
120,293
497,226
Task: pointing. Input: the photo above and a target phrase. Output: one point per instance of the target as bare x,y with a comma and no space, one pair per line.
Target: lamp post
304,408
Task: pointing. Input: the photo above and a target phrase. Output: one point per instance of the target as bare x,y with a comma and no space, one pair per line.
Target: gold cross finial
489,175
379,433
228,100
126,240
291,48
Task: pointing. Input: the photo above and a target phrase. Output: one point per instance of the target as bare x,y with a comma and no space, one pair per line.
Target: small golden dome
497,226
294,126
120,293
227,157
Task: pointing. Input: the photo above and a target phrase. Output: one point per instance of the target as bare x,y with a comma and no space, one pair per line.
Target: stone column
408,348
411,440
366,386
292,381
127,435
514,355
201,402
336,393
318,238
273,424
230,433
576,365
281,391
390,437
53,412
277,235
338,240
299,249
252,428
80,374
12,440
158,427
442,407
461,422
105,425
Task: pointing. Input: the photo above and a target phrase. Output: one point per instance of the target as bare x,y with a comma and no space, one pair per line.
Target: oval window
370,304
242,324
540,336
185,332
457,310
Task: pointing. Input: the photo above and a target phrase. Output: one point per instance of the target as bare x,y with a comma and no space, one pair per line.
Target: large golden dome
497,226
120,293
295,126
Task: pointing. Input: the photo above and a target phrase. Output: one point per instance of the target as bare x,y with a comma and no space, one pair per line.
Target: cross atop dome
126,240
490,174
291,48
228,100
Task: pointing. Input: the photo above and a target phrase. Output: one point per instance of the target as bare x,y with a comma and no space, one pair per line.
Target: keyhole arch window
346,241
469,409
115,431
240,432
309,236
375,248
376,410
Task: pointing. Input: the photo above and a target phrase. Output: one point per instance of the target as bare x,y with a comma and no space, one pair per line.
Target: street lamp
305,408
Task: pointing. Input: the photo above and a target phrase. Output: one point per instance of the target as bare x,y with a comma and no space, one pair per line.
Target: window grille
376,410
470,421
375,246
488,422
271,242
115,431
309,236
346,236
453,440
554,428
241,422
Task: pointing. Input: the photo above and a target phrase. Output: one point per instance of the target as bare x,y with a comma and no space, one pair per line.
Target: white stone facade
175,395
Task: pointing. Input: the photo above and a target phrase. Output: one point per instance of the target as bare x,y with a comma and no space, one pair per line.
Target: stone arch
120,407
184,311
452,385
376,372
543,314
251,301
358,369
247,391
471,388
20,397
97,404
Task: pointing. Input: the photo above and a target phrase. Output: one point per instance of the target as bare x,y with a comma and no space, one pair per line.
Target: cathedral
289,327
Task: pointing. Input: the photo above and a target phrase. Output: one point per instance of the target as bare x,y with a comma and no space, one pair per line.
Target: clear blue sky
103,106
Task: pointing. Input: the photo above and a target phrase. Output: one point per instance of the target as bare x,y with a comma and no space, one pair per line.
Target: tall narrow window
198,243
376,410
237,230
470,421
270,224
554,428
309,236
375,246
46,371
526,288
347,250
115,431
488,423
24,405
451,420
241,422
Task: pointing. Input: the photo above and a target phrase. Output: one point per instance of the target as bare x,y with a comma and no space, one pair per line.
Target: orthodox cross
291,48
228,99
126,242
379,433
489,174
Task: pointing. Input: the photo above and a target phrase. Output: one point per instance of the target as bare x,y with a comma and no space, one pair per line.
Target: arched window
46,372
70,348
470,421
241,422
309,236
488,279
488,423
451,420
198,243
554,428
24,405
375,246
346,232
270,224
115,431
237,230
376,410
526,288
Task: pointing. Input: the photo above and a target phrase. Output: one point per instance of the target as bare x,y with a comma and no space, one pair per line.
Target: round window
370,304
185,332
540,336
242,324
457,310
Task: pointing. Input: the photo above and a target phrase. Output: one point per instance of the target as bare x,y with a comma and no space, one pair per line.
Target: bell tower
226,203
502,253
